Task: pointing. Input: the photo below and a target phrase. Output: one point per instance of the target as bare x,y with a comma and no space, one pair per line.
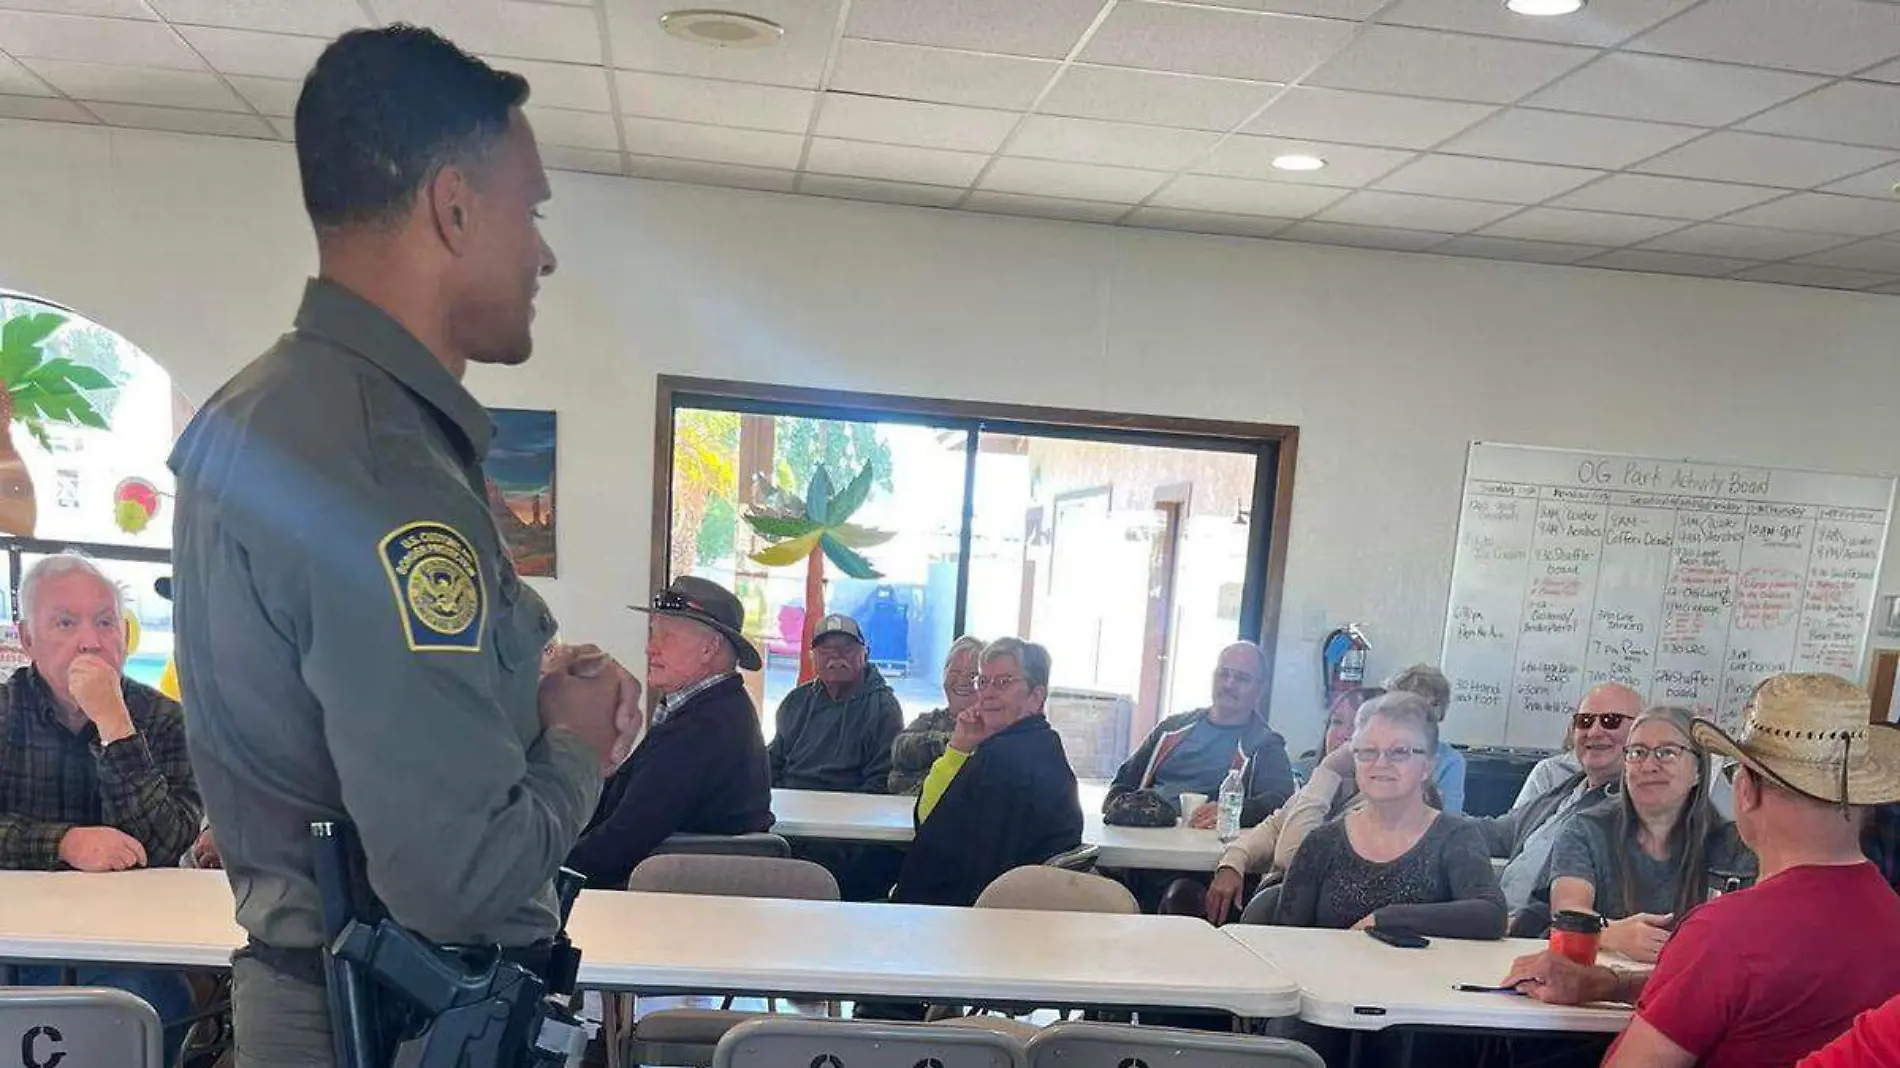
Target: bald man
1561,785
1190,753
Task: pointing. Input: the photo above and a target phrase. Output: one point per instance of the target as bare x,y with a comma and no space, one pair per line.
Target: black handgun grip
330,858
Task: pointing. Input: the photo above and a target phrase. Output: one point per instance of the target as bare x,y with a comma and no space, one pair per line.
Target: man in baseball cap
701,768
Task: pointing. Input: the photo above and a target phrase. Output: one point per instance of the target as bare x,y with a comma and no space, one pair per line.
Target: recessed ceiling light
722,29
1544,8
1297,162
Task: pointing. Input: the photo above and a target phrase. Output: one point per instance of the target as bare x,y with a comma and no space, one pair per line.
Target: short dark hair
385,109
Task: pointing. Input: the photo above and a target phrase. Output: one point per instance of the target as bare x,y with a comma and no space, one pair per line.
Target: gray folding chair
687,1036
1099,1045
758,844
79,1026
785,1041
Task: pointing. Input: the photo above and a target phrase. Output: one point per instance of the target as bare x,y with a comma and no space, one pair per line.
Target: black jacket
1267,774
1013,803
703,771
842,746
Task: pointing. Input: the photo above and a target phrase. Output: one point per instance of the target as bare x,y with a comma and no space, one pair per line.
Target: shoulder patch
436,576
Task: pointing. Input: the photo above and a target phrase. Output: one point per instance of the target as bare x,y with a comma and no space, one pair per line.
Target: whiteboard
1688,581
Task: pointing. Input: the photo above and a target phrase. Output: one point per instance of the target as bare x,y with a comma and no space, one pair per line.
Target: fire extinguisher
1342,660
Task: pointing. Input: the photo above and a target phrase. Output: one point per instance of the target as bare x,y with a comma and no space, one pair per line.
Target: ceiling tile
1045,207
759,107
1365,118
182,121
1825,213
573,129
43,108
1206,222
1880,256
1323,233
1046,28
1823,36
1403,210
115,9
905,122
911,72
574,86
1603,22
589,160
1184,100
1113,144
1730,156
1636,259
700,172
1877,183
1661,89
316,18
16,80
1241,156
1238,196
285,129
1332,9
832,185
1218,41
1074,181
712,144
1504,248
1859,113
1742,242
894,163
1797,274
1886,72
276,97
1393,59
1581,227
266,55
1676,198
86,40
1560,137
508,28
138,85
1485,179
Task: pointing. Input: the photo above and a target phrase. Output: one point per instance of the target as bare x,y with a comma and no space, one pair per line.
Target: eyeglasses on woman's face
1667,755
1397,755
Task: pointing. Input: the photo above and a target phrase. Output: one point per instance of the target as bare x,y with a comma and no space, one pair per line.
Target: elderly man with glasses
1002,795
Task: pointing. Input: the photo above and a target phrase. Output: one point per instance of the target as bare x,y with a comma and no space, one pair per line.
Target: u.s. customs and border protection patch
437,579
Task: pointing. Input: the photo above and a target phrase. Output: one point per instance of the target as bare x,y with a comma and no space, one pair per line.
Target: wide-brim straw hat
1810,734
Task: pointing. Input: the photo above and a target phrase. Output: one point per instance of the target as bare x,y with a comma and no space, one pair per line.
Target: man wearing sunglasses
1560,786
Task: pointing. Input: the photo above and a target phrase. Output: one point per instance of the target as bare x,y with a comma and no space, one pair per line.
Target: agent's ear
450,206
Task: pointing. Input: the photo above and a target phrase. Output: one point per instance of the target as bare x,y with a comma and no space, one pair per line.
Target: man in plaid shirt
93,771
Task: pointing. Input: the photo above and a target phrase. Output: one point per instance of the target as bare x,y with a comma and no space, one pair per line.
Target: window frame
1274,446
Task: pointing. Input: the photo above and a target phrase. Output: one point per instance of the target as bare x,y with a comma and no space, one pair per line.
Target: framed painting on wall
521,469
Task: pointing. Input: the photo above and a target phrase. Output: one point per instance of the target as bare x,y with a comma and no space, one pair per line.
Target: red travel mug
1574,934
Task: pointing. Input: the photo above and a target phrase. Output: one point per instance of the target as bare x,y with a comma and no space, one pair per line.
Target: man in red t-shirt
1767,975
1873,1042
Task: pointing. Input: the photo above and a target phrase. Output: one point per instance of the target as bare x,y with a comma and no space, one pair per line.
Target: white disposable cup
1191,802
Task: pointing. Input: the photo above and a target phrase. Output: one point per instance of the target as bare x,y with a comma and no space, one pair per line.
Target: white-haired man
93,770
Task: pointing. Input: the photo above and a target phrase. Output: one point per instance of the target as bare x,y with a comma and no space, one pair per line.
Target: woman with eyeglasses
1643,859
1396,861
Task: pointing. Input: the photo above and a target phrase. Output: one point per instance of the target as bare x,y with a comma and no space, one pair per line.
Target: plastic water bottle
1233,795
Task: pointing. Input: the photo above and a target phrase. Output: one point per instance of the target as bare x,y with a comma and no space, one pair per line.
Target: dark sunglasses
1610,720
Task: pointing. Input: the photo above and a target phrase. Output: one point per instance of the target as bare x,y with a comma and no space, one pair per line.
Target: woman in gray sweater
1395,862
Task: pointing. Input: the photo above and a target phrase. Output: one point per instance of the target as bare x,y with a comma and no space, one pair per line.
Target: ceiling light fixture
1297,162
722,29
1544,8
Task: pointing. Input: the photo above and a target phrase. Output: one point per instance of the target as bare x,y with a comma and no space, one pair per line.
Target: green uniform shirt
354,642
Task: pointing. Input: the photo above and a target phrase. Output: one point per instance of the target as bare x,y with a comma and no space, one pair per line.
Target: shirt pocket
523,625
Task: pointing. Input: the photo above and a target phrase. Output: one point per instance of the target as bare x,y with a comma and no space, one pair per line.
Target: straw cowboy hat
1810,734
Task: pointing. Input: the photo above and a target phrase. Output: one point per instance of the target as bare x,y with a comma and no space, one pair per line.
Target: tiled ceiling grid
1753,139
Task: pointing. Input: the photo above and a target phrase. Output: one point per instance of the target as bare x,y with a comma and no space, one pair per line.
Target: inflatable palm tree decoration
811,529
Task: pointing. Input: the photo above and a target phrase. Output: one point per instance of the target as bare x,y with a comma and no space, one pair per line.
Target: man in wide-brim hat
1769,974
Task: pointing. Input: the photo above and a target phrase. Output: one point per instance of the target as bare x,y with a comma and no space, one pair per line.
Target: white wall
195,248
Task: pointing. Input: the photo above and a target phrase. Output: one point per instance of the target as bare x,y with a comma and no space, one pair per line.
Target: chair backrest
756,844
1038,888
776,877
1081,858
79,1026
790,1041
1091,1045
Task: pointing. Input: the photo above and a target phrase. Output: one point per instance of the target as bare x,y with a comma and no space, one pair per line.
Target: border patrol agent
355,643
